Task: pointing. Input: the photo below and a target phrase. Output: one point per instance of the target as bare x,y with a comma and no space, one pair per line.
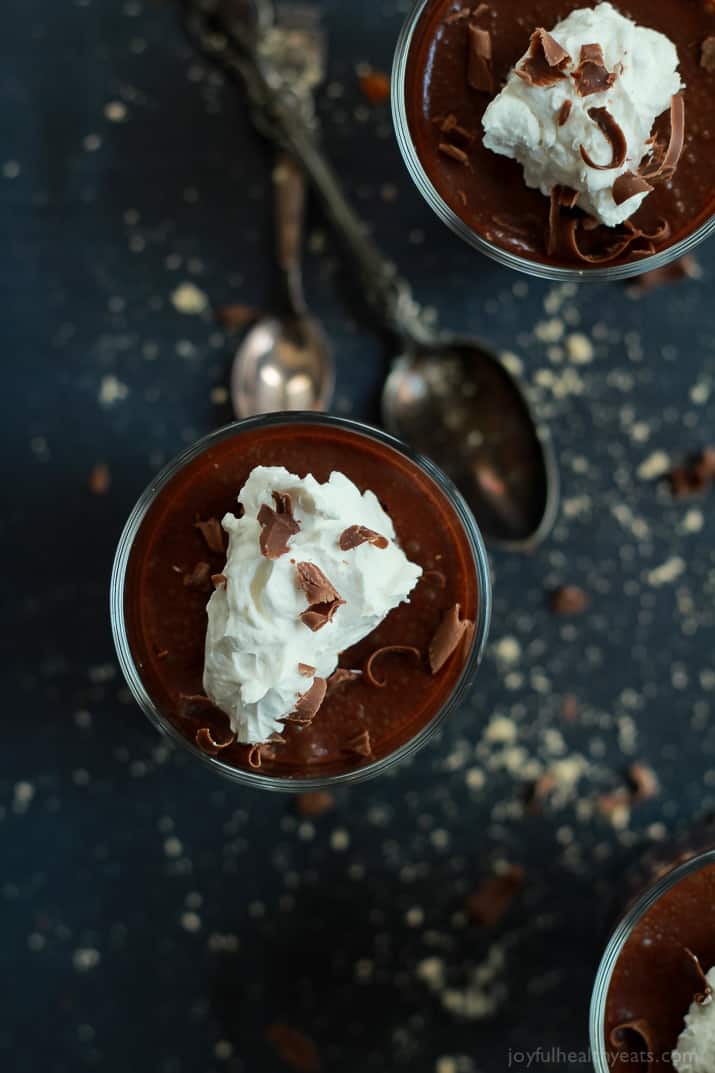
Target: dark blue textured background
153,918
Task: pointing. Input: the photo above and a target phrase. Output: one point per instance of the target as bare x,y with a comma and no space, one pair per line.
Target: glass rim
555,273
619,937
118,622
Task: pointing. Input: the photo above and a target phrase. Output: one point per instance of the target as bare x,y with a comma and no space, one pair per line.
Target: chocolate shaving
563,230
707,54
611,130
628,185
454,152
277,526
545,61
315,803
360,534
308,703
663,169
641,1027
340,677
564,112
360,744
163,654
323,599
701,997
448,125
219,581
561,197
407,650
479,60
199,578
294,1048
206,742
212,533
457,16
592,75
494,895
447,638
306,670
264,750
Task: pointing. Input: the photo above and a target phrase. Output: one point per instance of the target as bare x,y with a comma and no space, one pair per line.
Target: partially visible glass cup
132,673
658,874
502,256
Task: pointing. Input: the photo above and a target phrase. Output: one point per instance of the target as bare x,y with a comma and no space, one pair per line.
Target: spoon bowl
282,364
454,400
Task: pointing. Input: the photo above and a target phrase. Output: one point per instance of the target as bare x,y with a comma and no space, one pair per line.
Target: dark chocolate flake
448,125
592,75
694,476
308,703
405,650
323,598
479,60
340,677
360,744
564,112
306,670
613,132
207,743
264,750
545,60
700,997
665,161
494,895
628,185
448,637
294,1048
212,533
199,578
641,1029
355,535
277,526
454,152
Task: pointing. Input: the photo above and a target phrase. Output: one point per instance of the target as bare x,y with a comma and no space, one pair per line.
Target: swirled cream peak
578,109
310,570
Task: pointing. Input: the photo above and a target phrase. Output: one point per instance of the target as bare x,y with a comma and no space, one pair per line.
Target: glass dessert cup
664,880
503,256
291,424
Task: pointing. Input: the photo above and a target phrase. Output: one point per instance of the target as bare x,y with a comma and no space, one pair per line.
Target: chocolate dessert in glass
300,600
565,139
652,1006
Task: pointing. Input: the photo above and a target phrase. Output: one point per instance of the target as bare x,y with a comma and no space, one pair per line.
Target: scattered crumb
85,958
188,299
111,390
100,479
568,600
115,111
375,86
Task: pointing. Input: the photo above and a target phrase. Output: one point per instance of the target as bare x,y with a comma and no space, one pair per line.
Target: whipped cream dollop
543,122
311,569
695,1050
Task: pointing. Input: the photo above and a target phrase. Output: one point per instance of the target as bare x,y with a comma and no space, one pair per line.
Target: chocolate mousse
575,135
659,979
324,624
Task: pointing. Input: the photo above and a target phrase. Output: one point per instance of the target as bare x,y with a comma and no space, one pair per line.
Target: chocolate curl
277,526
199,578
448,125
355,535
454,152
701,997
264,750
561,196
479,60
207,744
545,61
628,185
449,635
564,112
360,744
407,650
306,670
212,533
308,703
640,1027
323,598
664,169
592,76
613,132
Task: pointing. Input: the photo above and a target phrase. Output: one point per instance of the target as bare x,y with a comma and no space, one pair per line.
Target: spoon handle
289,196
224,35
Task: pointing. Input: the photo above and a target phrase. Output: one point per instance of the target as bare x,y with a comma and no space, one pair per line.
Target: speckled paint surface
155,919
